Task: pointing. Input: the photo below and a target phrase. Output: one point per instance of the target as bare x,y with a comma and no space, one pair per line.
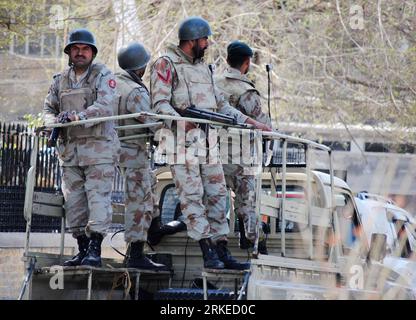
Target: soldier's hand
72,116
65,116
263,127
258,125
188,125
141,119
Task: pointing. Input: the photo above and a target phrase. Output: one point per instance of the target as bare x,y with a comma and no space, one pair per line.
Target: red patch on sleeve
112,83
164,77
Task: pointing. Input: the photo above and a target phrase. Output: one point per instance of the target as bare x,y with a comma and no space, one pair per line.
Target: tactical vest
125,85
193,84
234,87
80,99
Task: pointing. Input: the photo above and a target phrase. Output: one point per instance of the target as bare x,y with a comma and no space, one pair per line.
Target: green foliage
21,18
34,121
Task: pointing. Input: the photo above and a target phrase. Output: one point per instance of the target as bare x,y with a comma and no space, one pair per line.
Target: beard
198,51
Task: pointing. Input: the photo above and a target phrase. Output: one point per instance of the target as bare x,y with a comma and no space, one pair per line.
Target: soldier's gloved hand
44,132
64,117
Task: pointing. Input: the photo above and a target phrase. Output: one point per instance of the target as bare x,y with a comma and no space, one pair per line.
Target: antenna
269,67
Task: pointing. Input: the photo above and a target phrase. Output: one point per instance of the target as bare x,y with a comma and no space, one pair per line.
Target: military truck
316,243
322,251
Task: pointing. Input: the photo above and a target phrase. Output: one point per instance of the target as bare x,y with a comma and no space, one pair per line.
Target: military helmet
133,56
82,36
194,28
238,48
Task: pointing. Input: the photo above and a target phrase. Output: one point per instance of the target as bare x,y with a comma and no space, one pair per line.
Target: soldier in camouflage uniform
140,181
178,80
242,94
87,153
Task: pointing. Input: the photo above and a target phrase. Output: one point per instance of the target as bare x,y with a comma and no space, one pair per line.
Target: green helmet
194,28
82,36
133,56
238,48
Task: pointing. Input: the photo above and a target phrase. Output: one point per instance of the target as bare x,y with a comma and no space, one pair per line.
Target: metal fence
16,140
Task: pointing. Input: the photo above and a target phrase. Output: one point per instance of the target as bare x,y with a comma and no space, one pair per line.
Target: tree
333,61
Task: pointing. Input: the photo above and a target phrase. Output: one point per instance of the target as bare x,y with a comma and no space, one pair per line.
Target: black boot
228,260
93,256
262,247
157,231
209,254
244,243
154,234
137,259
83,242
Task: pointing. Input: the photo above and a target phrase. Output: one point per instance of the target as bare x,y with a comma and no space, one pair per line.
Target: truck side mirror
377,250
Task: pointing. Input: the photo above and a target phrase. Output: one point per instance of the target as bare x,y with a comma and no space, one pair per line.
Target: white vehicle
329,256
382,216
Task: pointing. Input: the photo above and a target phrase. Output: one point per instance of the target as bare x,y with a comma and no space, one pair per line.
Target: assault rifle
193,112
63,118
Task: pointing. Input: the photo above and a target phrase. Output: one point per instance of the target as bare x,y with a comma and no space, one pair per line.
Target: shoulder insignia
112,83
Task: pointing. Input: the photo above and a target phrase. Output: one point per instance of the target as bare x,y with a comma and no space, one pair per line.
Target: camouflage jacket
134,98
177,82
242,94
93,95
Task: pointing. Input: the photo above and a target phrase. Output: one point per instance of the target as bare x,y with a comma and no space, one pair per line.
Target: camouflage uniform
140,182
86,153
177,81
242,94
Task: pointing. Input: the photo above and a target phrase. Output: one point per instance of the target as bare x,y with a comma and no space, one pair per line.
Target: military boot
154,234
138,259
262,248
83,242
157,231
93,256
209,254
243,243
229,262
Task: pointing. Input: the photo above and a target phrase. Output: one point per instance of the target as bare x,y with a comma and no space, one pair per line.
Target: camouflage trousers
244,187
141,205
203,195
87,193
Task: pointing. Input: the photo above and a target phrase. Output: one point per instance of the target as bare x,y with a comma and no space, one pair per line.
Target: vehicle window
169,204
297,193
